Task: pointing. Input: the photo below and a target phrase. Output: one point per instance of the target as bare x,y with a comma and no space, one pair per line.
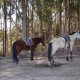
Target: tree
5,30
24,20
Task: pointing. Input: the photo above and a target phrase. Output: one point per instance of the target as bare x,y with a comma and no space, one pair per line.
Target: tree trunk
60,19
5,29
24,20
32,16
50,28
16,22
27,13
10,30
69,16
66,17
78,14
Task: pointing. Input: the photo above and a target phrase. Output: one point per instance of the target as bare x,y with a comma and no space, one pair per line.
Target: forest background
32,18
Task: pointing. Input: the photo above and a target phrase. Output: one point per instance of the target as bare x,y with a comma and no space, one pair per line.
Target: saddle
67,38
29,41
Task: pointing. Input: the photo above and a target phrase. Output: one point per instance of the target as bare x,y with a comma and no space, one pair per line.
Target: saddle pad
29,41
67,38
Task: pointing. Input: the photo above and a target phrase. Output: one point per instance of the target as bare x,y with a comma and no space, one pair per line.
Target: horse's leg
49,53
16,58
67,58
71,54
52,60
68,51
71,46
32,54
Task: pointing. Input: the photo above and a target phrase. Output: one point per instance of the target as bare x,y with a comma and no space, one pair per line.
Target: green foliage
1,35
38,8
13,33
44,9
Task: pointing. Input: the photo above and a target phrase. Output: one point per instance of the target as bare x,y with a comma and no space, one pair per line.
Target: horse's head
78,35
42,40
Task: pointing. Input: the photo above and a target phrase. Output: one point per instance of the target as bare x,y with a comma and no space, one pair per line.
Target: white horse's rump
56,44
62,42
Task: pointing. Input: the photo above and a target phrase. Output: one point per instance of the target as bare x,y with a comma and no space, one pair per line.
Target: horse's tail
49,51
15,59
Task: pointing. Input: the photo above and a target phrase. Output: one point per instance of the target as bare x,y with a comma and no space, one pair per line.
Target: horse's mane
35,37
72,33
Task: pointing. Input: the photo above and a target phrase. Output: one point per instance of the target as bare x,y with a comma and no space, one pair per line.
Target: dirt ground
39,70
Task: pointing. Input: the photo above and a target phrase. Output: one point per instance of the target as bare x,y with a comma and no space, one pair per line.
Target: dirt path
38,70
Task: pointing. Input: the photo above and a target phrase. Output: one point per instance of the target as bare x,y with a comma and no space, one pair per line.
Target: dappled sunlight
39,62
7,73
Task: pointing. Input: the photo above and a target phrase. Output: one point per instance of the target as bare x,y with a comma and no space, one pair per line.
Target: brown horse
20,45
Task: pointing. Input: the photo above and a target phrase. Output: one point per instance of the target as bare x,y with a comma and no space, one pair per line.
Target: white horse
65,42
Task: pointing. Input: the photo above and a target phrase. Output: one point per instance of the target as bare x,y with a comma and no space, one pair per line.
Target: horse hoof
49,64
15,61
67,58
71,60
32,59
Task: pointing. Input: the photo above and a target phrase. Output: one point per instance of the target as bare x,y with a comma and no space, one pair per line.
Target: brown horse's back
21,45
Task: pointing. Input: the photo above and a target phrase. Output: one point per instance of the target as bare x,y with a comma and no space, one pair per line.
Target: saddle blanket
67,38
29,41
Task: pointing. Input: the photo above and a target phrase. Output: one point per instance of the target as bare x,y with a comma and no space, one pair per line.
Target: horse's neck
73,37
36,41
